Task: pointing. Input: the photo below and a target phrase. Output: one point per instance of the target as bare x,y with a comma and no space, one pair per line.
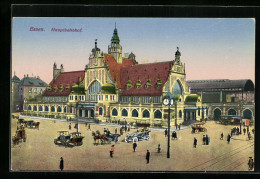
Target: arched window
40,108
124,112
134,113
29,107
92,112
180,114
232,112
114,112
217,113
86,113
65,109
94,88
100,111
35,108
146,114
247,114
59,109
158,114
52,109
46,108
80,113
177,89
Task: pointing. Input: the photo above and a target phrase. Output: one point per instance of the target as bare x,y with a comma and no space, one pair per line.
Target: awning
85,105
194,108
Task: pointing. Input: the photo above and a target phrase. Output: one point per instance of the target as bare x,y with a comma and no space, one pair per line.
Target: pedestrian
228,138
89,127
204,140
231,132
244,130
159,148
112,151
61,164
165,132
221,136
70,126
148,156
195,142
86,124
247,129
134,146
253,131
250,164
125,128
207,140
128,128
249,136
179,126
116,131
172,135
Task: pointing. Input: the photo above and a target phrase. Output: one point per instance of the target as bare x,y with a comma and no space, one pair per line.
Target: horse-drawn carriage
107,137
19,136
66,139
138,136
198,127
32,124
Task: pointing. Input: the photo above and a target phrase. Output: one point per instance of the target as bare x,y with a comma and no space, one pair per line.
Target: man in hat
61,164
148,156
134,146
250,164
195,142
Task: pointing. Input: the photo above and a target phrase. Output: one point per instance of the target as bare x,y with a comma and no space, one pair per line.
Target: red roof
143,72
64,79
115,68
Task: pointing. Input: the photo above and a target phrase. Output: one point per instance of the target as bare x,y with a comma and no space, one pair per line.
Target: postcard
96,94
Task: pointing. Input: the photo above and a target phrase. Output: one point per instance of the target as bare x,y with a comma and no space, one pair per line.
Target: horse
97,136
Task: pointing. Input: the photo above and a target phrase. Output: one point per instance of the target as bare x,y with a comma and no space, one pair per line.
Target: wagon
76,138
198,127
137,136
19,136
32,124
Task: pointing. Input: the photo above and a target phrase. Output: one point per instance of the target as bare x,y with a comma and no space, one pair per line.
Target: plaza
39,153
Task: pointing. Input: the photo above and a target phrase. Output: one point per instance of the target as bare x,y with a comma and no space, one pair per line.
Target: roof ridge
154,63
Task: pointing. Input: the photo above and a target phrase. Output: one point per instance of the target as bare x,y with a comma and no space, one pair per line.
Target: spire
177,56
115,38
95,43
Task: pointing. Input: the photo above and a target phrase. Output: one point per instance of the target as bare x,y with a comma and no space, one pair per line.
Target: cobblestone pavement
39,153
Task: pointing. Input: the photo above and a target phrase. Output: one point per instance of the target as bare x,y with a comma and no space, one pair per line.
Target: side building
226,97
117,89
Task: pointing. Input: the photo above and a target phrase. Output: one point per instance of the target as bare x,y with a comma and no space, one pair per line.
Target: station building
226,97
113,88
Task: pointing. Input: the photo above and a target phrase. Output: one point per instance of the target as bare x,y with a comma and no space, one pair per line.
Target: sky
211,48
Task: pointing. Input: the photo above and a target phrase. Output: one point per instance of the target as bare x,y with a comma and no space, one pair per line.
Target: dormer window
148,84
68,87
129,84
138,84
55,88
159,83
49,88
61,87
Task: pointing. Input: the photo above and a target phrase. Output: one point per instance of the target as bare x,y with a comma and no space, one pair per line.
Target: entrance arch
232,112
217,113
247,114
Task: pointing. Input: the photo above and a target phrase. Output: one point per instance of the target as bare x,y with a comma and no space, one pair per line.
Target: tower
96,58
57,71
115,49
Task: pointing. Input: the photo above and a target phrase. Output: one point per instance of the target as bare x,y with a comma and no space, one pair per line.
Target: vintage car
198,127
76,138
68,139
138,136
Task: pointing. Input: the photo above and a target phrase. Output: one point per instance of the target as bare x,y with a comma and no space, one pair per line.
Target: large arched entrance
247,114
217,114
232,112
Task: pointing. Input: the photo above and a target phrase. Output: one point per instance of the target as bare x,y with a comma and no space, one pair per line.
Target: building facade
226,97
113,88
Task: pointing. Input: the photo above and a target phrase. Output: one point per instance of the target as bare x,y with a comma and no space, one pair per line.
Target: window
46,108
124,112
199,112
30,91
76,97
106,97
65,109
59,109
40,108
125,99
111,98
114,112
134,113
138,84
135,99
177,89
180,114
100,111
35,90
52,109
159,83
146,99
158,114
148,84
129,84
41,90
35,108
146,114
157,99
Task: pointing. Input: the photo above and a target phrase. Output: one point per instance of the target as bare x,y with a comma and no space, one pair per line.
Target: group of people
206,139
235,131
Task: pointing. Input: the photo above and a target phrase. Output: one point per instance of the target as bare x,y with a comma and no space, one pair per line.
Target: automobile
138,136
63,138
198,127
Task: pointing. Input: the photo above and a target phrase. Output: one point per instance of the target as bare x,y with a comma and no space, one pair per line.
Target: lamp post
168,100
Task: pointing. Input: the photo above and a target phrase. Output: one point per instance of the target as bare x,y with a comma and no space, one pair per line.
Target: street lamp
168,100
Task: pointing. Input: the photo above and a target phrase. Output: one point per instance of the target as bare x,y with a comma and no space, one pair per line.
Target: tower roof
15,79
115,38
